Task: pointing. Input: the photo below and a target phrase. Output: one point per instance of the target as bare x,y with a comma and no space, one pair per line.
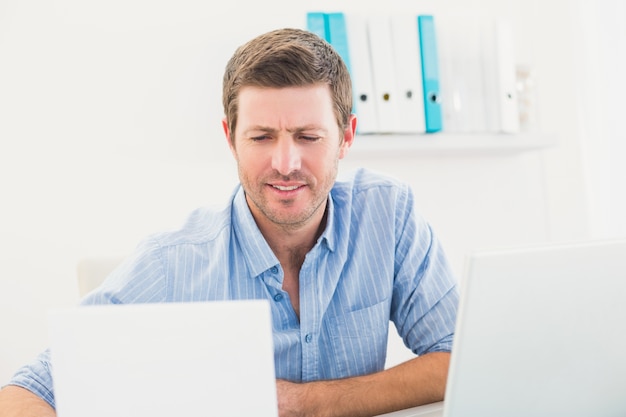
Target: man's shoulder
363,179
202,226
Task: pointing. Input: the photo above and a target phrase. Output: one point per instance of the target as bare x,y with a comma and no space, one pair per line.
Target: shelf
450,143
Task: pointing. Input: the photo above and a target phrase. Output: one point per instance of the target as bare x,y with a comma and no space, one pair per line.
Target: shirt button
278,297
308,338
274,270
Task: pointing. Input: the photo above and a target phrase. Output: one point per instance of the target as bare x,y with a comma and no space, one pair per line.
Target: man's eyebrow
307,128
259,128
298,129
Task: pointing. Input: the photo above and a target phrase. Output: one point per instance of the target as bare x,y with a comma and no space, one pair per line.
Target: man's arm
418,381
19,402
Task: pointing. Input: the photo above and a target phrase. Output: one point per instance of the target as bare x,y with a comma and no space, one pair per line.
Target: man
337,259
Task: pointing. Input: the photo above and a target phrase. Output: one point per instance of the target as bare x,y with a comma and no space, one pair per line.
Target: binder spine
430,72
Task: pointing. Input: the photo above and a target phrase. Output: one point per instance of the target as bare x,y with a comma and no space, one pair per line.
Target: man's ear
349,134
228,135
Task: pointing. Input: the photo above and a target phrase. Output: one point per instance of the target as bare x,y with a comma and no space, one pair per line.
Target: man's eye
309,138
260,138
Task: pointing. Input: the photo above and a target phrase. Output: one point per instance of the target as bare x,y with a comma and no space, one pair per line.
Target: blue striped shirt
377,261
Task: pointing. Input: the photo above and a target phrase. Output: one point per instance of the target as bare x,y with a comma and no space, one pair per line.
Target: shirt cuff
36,378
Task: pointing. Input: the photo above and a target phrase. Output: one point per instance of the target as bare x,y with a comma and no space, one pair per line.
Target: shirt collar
328,235
257,253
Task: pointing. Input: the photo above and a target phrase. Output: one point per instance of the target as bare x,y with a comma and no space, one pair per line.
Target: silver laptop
541,332
164,360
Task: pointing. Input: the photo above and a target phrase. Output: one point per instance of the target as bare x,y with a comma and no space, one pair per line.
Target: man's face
287,145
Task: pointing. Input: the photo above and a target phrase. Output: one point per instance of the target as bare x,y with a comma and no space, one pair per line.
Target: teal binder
430,72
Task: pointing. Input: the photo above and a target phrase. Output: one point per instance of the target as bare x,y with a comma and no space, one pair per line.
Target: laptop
164,360
541,331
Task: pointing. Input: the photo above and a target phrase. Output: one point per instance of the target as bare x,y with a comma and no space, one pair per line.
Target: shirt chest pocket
358,341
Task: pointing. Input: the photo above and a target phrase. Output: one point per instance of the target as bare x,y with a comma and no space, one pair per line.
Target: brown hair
286,58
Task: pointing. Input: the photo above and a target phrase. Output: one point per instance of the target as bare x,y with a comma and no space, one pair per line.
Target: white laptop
164,360
541,332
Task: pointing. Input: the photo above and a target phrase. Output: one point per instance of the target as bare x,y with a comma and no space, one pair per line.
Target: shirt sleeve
425,294
37,378
140,278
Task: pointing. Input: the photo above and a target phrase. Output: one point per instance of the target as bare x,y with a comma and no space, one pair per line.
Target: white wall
109,130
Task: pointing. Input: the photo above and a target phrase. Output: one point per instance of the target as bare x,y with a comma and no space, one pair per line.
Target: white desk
428,410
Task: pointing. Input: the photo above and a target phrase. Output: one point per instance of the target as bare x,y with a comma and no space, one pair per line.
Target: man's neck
291,244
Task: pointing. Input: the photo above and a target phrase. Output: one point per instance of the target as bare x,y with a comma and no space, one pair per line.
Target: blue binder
430,71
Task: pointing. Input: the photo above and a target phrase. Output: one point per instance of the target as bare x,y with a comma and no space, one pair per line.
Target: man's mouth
286,187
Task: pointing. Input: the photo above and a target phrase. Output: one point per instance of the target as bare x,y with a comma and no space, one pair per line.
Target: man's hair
286,58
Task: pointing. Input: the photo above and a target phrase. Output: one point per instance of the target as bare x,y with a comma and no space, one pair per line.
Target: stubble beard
281,216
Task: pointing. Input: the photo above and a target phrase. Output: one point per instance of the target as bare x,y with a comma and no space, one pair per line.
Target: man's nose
286,156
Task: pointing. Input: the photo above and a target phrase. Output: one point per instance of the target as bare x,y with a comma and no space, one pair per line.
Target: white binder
361,73
462,73
500,91
383,69
507,93
408,74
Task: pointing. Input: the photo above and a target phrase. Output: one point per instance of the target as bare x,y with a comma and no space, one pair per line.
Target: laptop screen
540,332
173,359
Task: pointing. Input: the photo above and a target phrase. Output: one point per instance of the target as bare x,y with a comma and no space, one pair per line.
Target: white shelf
450,143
